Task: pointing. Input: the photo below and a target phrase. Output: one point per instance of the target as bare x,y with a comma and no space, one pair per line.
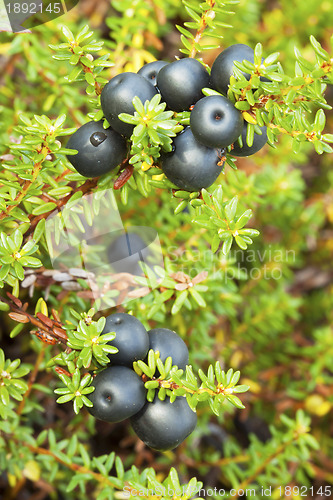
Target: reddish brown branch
47,326
20,195
86,69
125,175
85,188
203,25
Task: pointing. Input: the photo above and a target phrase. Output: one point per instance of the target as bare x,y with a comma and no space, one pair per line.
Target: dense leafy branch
216,387
258,308
81,58
297,436
98,470
282,101
206,19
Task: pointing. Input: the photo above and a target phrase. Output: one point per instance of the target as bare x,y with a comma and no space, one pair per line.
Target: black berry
223,66
131,339
162,425
119,394
191,165
117,96
181,82
150,70
99,150
215,122
168,343
259,142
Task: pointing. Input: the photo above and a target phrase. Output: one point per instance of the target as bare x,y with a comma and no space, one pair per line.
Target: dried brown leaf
140,292
60,333
47,321
180,276
200,277
16,301
19,318
181,286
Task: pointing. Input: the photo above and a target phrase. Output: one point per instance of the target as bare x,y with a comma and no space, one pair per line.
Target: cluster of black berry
198,153
120,393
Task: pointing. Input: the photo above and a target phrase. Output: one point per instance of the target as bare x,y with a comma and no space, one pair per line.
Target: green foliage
247,275
216,387
77,51
11,385
294,439
153,130
222,215
87,347
208,18
76,389
295,95
14,256
87,339
173,288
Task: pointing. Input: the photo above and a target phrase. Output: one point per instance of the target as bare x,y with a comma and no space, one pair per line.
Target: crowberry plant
124,376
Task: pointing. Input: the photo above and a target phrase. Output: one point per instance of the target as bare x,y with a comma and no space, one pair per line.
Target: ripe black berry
163,425
131,339
150,70
223,66
181,82
215,122
191,165
119,394
99,150
168,343
259,142
117,96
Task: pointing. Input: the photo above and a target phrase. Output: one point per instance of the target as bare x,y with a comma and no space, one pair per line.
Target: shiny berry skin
168,343
215,122
223,66
99,150
180,83
117,96
259,142
191,165
150,70
119,394
162,425
131,339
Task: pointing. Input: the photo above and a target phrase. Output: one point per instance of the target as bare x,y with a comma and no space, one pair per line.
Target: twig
203,25
85,188
86,69
262,467
80,469
125,175
21,316
20,196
